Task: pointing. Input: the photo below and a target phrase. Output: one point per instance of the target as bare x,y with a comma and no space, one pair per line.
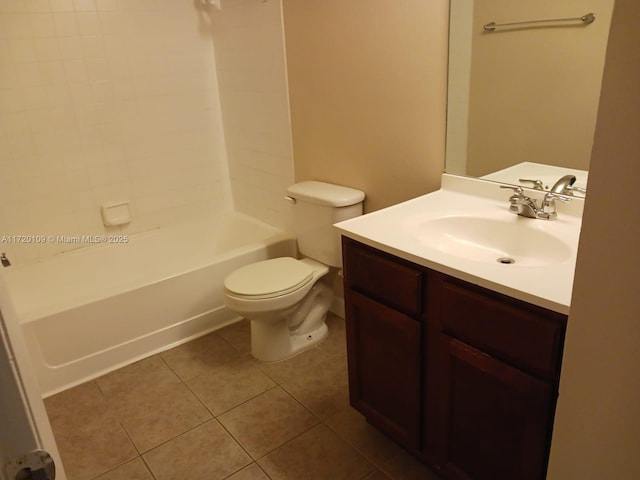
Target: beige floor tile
336,341
83,401
325,392
231,384
90,438
206,452
377,475
199,356
306,363
147,403
316,454
238,335
267,421
93,447
146,374
252,472
355,429
405,467
134,470
155,415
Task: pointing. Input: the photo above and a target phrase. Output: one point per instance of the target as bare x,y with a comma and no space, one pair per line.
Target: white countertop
548,174
394,230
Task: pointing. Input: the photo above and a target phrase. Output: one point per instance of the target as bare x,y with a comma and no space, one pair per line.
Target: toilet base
287,346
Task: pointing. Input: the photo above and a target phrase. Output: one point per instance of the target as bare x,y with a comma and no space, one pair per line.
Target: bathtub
95,309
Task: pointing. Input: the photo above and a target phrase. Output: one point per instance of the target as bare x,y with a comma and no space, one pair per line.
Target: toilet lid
269,278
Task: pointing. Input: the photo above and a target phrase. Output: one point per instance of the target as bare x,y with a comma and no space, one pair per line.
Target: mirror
523,98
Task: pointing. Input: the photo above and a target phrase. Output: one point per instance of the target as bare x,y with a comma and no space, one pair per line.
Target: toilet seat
269,278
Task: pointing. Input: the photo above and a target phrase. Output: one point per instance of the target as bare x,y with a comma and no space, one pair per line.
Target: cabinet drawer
527,336
391,281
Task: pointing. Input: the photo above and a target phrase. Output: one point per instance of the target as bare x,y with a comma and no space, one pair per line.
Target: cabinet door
383,348
493,420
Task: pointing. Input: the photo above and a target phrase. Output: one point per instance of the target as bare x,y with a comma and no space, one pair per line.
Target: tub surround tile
96,62
242,373
134,470
206,452
319,445
153,416
267,421
199,356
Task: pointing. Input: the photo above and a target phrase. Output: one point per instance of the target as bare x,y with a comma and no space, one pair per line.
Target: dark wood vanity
464,378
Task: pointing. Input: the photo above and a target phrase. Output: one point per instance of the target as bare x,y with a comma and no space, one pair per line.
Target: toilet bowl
287,300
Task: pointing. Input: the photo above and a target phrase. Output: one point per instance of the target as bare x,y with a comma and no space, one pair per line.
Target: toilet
287,299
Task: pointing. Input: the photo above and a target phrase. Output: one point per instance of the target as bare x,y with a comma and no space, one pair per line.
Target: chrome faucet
525,206
564,186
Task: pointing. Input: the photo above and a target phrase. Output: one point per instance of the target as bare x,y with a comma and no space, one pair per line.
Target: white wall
106,100
597,426
250,59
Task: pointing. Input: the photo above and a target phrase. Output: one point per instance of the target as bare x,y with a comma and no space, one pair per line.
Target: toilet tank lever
290,199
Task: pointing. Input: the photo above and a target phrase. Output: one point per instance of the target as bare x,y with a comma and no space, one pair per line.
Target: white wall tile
22,50
46,49
42,25
62,5
249,51
85,5
37,5
66,24
104,100
15,25
89,24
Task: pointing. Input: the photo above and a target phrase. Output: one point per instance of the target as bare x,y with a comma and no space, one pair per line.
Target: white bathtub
95,309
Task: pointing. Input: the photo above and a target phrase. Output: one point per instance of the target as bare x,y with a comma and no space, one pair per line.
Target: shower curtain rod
586,19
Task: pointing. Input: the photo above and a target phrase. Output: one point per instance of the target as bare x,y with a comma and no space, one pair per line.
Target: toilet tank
316,207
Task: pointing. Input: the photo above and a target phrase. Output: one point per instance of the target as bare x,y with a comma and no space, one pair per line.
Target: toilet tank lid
327,194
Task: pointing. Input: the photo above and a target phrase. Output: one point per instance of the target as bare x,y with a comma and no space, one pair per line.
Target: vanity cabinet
464,378
384,307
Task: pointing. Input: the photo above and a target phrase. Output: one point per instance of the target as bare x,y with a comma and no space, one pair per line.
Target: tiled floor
208,410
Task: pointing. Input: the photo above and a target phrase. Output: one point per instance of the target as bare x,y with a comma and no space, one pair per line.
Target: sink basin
506,241
465,228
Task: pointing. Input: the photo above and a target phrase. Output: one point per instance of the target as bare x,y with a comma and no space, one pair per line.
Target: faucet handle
549,204
537,184
516,189
573,188
550,196
516,198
